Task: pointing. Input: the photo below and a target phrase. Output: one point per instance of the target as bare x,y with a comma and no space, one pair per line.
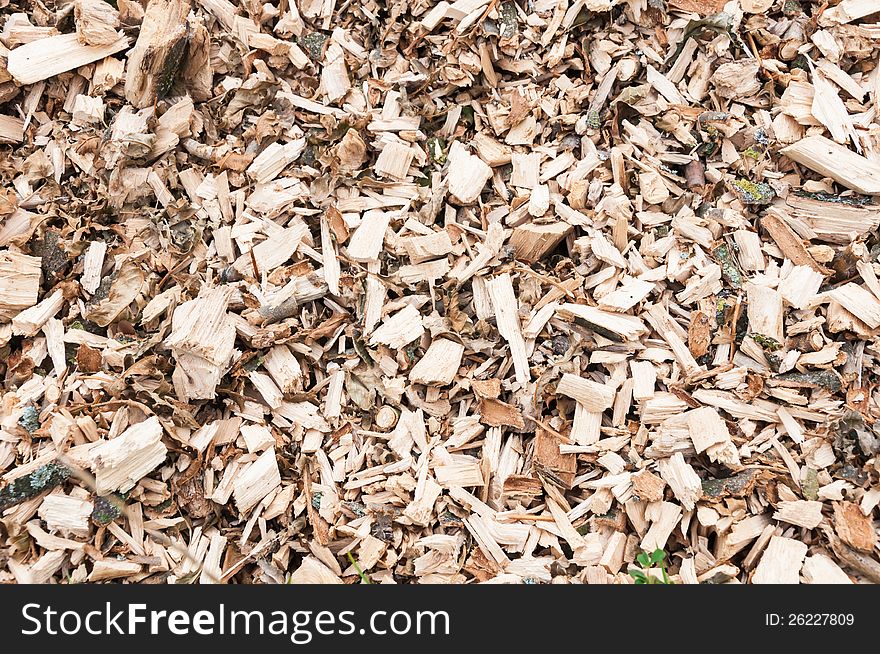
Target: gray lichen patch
42,479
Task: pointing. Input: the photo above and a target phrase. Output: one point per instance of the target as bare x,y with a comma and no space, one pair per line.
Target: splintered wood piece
612,325
274,159
67,514
848,11
202,327
271,253
257,438
284,368
674,336
334,75
506,308
539,201
647,486
394,160
533,242
750,255
45,58
800,285
685,483
398,330
605,251
795,431
264,385
821,569
803,513
630,293
781,562
526,169
121,462
765,312
644,376
312,571
156,56
836,161
31,320
664,517
853,527
366,242
456,470
329,258
547,453
709,434
587,425
594,397
11,129
256,481
19,282
96,22
789,242
491,151
496,413
834,222
104,569
439,364
467,174
859,302
93,262
427,247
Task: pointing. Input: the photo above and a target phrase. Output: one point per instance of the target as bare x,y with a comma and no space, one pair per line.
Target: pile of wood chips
500,291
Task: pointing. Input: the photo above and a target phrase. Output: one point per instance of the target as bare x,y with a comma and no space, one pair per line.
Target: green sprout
364,578
654,560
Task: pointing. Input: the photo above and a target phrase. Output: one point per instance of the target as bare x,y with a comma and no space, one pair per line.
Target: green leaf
638,575
658,556
644,559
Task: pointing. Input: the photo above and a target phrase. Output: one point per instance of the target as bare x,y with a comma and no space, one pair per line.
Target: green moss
752,192
707,149
849,200
818,379
313,42
172,66
107,509
467,116
799,62
355,507
792,8
810,485
593,120
728,267
766,342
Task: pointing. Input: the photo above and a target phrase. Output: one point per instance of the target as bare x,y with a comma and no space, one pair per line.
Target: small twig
543,425
546,279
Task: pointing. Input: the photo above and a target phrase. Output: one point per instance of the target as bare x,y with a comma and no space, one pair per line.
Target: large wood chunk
157,54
